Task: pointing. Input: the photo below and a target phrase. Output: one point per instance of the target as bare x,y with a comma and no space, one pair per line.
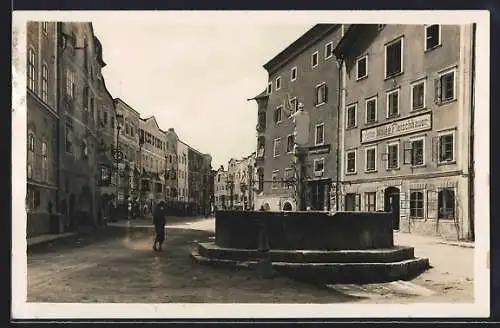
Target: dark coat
159,215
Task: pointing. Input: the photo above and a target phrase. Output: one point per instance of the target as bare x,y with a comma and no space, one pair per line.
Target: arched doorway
287,207
391,204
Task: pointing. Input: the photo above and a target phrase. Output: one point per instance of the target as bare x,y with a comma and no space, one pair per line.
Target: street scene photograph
236,158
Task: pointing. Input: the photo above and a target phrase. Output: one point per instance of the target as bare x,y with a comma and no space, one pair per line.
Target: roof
152,117
302,43
130,107
348,40
261,95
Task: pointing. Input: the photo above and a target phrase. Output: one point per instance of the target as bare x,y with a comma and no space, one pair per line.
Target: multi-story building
407,125
42,126
240,182
106,130
171,165
199,166
182,173
126,124
221,196
78,64
305,72
153,162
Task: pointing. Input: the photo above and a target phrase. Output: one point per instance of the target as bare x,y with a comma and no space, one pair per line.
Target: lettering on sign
398,128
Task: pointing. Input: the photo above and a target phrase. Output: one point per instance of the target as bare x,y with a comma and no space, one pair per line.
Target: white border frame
367,148
395,40
280,107
316,134
355,105
317,59
413,139
426,26
316,89
367,100
347,152
389,144
424,192
366,67
452,132
413,85
387,94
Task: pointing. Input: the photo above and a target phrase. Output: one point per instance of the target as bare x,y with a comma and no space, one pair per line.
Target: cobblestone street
123,268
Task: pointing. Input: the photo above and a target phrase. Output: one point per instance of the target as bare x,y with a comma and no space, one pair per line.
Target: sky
195,78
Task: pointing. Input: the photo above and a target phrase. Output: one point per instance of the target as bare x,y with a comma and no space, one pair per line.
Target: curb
459,244
55,239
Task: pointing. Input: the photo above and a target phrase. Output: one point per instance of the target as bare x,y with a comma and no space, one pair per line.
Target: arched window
31,69
45,83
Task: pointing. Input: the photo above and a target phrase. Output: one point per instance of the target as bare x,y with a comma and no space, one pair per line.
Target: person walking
159,222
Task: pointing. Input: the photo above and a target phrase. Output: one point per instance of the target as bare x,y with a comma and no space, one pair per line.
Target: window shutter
316,91
435,148
326,93
437,87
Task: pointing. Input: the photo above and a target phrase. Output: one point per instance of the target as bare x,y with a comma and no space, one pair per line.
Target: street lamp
117,153
301,138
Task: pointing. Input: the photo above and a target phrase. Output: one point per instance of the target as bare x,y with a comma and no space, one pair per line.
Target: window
321,94
106,118
445,87
33,198
32,70
351,161
394,58
274,178
362,67
112,122
393,103
446,204
278,114
319,136
417,152
45,83
31,155
70,84
105,176
269,88
416,204
371,110
290,143
277,147
432,36
293,74
393,156
446,147
328,50
45,168
319,165
294,105
370,201
289,177
45,27
371,159
278,83
351,116
314,59
418,95
159,187
352,202
69,138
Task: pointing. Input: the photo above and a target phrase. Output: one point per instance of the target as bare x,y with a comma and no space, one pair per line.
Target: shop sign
406,126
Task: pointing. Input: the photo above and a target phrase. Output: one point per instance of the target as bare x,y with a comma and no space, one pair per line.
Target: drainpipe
340,63
471,135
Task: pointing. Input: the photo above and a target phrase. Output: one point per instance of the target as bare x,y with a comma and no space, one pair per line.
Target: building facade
240,183
153,158
406,129
199,167
183,172
171,165
78,65
305,72
42,127
221,196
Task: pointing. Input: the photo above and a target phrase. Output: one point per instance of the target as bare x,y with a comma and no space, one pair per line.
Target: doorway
318,191
391,204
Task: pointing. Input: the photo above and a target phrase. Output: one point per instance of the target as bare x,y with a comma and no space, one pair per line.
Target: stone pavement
125,269
47,238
